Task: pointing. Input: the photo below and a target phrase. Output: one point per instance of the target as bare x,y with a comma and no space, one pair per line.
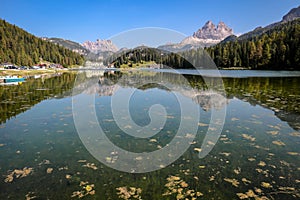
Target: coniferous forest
22,48
278,48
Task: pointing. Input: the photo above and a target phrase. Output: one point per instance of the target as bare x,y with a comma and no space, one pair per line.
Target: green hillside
22,48
74,46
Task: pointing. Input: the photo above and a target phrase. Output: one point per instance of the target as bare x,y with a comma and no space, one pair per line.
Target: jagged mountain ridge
207,36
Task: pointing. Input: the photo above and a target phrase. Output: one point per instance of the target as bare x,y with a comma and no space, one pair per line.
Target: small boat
10,79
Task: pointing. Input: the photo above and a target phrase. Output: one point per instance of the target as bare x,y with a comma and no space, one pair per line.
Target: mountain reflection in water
280,94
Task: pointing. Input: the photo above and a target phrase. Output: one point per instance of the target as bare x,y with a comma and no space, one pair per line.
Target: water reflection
280,94
206,98
16,99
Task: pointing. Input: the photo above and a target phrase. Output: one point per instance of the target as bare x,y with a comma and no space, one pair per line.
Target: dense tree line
182,60
145,54
133,56
22,48
278,48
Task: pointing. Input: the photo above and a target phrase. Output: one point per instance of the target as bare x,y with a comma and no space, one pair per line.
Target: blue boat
10,79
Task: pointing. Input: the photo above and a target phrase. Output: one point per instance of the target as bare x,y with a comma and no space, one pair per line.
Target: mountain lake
179,135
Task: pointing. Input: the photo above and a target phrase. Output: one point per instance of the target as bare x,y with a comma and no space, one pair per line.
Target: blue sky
81,20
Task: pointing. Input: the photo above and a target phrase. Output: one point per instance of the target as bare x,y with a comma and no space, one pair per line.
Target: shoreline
32,72
29,72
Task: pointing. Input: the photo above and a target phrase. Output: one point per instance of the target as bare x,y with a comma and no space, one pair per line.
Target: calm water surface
256,156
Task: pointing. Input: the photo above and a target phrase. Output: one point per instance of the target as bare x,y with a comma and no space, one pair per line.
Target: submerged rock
49,170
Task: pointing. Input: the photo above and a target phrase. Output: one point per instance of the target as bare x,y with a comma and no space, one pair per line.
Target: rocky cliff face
100,46
293,14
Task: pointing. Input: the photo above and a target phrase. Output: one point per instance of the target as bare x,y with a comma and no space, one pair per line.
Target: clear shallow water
257,153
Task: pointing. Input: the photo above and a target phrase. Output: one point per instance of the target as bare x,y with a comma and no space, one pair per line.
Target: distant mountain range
94,51
207,36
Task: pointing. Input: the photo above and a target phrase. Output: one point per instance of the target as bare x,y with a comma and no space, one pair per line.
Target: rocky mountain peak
223,30
100,46
222,25
210,31
209,25
293,14
208,35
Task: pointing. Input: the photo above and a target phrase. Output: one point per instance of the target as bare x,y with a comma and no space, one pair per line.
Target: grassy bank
138,65
31,72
